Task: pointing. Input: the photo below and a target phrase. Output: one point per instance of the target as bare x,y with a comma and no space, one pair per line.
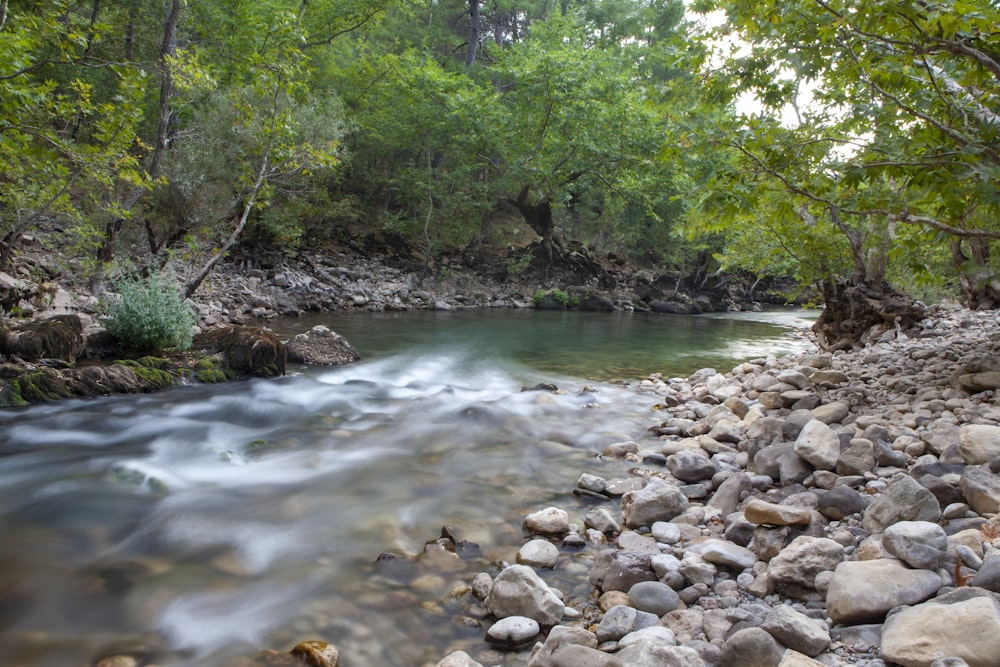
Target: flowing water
208,522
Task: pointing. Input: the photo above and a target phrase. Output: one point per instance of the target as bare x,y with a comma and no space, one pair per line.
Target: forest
850,145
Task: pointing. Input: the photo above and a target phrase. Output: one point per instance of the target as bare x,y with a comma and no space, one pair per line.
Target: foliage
149,315
901,99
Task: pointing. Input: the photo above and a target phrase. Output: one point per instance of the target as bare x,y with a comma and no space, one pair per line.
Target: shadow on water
210,522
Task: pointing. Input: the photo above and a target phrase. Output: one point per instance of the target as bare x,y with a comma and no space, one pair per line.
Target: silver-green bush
149,315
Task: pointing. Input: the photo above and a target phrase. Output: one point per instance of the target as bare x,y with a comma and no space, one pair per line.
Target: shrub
149,315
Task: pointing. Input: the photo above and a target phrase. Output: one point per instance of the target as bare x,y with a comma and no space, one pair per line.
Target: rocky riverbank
822,509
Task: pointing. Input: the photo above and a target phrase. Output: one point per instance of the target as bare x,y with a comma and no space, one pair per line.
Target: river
207,522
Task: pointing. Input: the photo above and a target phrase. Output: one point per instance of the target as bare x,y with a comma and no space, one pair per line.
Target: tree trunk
979,283
470,55
539,218
168,49
856,312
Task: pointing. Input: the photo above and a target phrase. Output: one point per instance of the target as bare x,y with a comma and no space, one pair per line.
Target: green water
602,346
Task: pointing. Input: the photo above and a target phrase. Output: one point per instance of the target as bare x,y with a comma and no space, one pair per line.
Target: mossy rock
46,384
58,337
152,377
248,351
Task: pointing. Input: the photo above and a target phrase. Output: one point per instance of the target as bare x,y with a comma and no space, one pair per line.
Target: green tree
68,121
899,132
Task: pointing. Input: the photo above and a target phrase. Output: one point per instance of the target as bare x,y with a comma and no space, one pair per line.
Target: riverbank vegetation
849,145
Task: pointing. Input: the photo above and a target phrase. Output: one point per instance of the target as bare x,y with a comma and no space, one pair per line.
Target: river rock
539,553
728,495
657,501
659,654
513,631
690,465
803,559
620,620
903,500
762,512
721,552
841,501
796,630
979,443
857,459
549,521
57,337
969,629
864,591
249,351
793,658
601,520
818,445
582,656
920,544
518,591
458,659
654,597
559,637
981,489
616,570
988,575
751,647
322,347
831,413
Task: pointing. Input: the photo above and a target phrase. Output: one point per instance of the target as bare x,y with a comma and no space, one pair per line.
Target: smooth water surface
208,522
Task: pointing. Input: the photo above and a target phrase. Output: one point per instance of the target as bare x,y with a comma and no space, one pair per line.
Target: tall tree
902,98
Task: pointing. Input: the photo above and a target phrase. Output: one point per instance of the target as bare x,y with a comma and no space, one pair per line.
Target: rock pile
824,509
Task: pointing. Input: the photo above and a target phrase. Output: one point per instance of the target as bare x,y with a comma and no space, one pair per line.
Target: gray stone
920,544
857,459
561,636
513,630
751,647
721,552
981,489
539,553
941,437
696,569
519,591
903,500
803,559
592,483
864,591
657,501
795,378
582,656
659,654
727,497
796,630
549,521
459,659
601,520
666,532
969,629
979,443
653,597
988,576
616,623
818,445
841,501
831,413
616,570
690,465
